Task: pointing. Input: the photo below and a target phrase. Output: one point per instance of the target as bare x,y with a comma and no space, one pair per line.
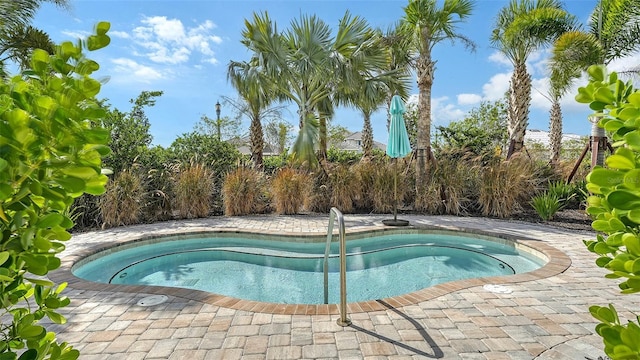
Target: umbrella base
395,222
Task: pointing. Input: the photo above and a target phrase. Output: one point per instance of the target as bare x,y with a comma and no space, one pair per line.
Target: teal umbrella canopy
398,145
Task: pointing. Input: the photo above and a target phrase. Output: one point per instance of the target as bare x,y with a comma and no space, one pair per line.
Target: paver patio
544,317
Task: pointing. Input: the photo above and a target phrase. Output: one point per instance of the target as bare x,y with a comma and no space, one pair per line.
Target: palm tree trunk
367,138
555,133
518,112
322,143
425,68
257,142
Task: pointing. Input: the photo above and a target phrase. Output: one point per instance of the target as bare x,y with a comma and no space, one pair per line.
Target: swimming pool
289,270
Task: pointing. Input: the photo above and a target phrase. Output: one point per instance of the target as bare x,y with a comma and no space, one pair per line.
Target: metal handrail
334,214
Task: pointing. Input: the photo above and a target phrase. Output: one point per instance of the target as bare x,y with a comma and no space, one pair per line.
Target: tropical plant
561,190
546,205
51,144
427,25
399,60
375,87
522,27
244,192
17,38
612,34
615,204
256,93
17,44
307,65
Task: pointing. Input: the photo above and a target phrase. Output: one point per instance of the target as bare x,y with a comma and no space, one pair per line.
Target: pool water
292,272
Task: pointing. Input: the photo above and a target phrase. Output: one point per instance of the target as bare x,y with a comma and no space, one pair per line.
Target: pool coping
557,263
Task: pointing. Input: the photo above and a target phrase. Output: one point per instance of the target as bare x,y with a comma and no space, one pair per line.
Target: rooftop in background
542,137
353,142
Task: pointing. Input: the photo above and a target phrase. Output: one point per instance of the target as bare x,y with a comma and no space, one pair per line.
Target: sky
183,48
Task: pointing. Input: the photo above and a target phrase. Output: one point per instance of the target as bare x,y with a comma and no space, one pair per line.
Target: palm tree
310,67
521,28
370,98
399,61
17,38
257,95
613,33
428,25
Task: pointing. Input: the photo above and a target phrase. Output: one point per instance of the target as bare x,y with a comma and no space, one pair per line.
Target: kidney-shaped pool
289,270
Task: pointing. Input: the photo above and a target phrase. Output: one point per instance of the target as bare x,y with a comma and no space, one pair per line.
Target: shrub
122,202
272,164
319,199
193,188
346,157
290,188
505,185
51,146
614,204
244,192
561,190
85,212
546,205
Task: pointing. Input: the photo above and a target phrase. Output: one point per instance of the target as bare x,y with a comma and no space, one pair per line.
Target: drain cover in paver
498,289
152,300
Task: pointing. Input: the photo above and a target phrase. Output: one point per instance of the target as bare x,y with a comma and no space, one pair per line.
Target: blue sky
183,48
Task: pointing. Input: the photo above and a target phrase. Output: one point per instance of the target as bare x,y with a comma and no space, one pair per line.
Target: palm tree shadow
437,352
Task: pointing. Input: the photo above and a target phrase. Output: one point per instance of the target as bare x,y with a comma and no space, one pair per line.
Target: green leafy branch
51,145
615,203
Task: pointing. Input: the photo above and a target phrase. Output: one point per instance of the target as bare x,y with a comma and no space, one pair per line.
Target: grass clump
243,192
345,188
383,189
121,203
193,190
505,185
290,189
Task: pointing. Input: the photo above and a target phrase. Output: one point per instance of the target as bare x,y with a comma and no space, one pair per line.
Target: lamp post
218,121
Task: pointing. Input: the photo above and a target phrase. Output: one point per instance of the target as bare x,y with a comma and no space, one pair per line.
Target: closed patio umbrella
398,146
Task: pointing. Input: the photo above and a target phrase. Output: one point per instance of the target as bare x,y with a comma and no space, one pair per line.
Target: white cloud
442,110
168,41
540,93
497,86
129,70
119,34
499,58
469,99
625,64
76,34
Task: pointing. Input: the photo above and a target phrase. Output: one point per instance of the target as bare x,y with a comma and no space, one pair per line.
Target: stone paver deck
544,317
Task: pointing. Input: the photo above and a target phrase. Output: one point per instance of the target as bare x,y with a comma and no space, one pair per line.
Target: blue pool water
292,272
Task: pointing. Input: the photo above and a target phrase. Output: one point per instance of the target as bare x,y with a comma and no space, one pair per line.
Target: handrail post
334,214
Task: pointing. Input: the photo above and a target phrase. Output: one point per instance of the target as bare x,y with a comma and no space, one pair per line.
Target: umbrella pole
395,189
